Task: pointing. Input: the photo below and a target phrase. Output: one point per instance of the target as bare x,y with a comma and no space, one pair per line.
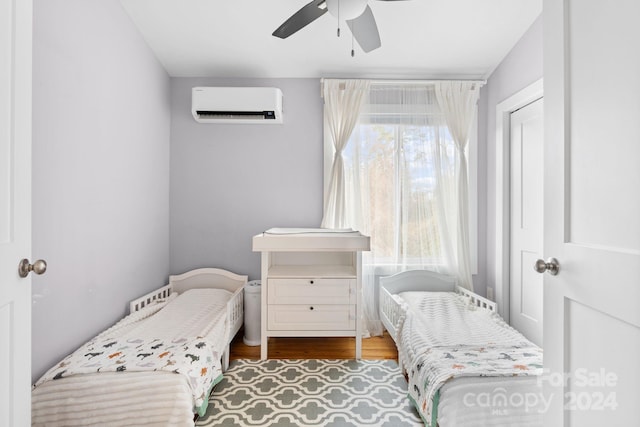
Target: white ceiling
420,38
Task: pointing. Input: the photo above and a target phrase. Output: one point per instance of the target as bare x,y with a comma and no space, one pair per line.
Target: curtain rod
409,81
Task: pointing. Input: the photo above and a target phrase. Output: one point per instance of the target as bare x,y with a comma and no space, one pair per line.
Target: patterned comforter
440,364
185,335
442,337
196,359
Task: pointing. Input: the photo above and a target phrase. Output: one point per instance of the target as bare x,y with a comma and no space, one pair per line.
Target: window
400,162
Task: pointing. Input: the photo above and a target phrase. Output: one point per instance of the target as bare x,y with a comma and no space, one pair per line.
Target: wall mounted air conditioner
242,105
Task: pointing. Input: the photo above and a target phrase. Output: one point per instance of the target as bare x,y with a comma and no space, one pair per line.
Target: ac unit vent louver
240,105
234,115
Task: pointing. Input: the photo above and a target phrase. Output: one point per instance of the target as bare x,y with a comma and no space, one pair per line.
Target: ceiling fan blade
365,30
301,18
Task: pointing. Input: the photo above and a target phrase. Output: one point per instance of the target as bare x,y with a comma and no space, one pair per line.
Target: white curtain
399,164
457,100
342,103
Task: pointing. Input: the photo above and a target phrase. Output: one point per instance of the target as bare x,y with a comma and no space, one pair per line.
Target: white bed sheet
138,398
451,321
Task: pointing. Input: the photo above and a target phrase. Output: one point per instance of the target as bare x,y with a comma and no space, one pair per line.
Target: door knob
551,265
38,267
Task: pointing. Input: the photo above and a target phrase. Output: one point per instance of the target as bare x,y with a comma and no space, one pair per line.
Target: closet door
526,146
592,211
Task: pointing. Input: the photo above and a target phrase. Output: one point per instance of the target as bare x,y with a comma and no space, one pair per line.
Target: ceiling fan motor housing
346,9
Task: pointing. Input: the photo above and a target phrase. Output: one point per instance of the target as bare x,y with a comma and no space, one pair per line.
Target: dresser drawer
316,317
311,291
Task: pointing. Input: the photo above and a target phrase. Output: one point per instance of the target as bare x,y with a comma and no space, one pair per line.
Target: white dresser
311,284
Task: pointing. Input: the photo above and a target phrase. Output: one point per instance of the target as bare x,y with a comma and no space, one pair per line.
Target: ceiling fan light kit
357,14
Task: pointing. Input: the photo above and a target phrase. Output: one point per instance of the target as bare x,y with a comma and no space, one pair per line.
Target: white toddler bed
126,375
465,366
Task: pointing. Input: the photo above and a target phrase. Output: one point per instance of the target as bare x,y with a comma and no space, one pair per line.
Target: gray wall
521,67
101,124
231,182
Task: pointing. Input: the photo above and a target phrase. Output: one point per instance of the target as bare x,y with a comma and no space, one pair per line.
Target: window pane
390,169
371,155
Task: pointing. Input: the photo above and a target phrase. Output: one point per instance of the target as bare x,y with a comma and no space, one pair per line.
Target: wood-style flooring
374,348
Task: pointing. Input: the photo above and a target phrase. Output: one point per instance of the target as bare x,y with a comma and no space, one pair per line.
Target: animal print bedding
438,365
195,358
442,337
185,335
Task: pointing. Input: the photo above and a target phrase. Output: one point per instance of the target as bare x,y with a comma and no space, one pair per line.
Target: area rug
294,393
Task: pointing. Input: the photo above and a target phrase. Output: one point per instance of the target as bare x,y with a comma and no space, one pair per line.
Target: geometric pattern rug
294,393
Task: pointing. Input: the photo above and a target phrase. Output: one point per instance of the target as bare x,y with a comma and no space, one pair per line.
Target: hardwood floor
317,348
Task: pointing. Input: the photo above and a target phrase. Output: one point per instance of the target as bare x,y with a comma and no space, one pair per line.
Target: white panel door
592,211
526,141
15,211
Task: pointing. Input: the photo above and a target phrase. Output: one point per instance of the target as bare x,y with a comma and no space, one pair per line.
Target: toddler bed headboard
423,280
207,278
195,279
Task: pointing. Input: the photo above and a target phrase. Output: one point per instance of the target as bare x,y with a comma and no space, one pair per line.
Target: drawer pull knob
310,308
311,281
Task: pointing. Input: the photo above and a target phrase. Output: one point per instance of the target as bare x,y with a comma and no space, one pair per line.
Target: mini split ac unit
242,105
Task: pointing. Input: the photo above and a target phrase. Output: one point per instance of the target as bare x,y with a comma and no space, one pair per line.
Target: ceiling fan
356,13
